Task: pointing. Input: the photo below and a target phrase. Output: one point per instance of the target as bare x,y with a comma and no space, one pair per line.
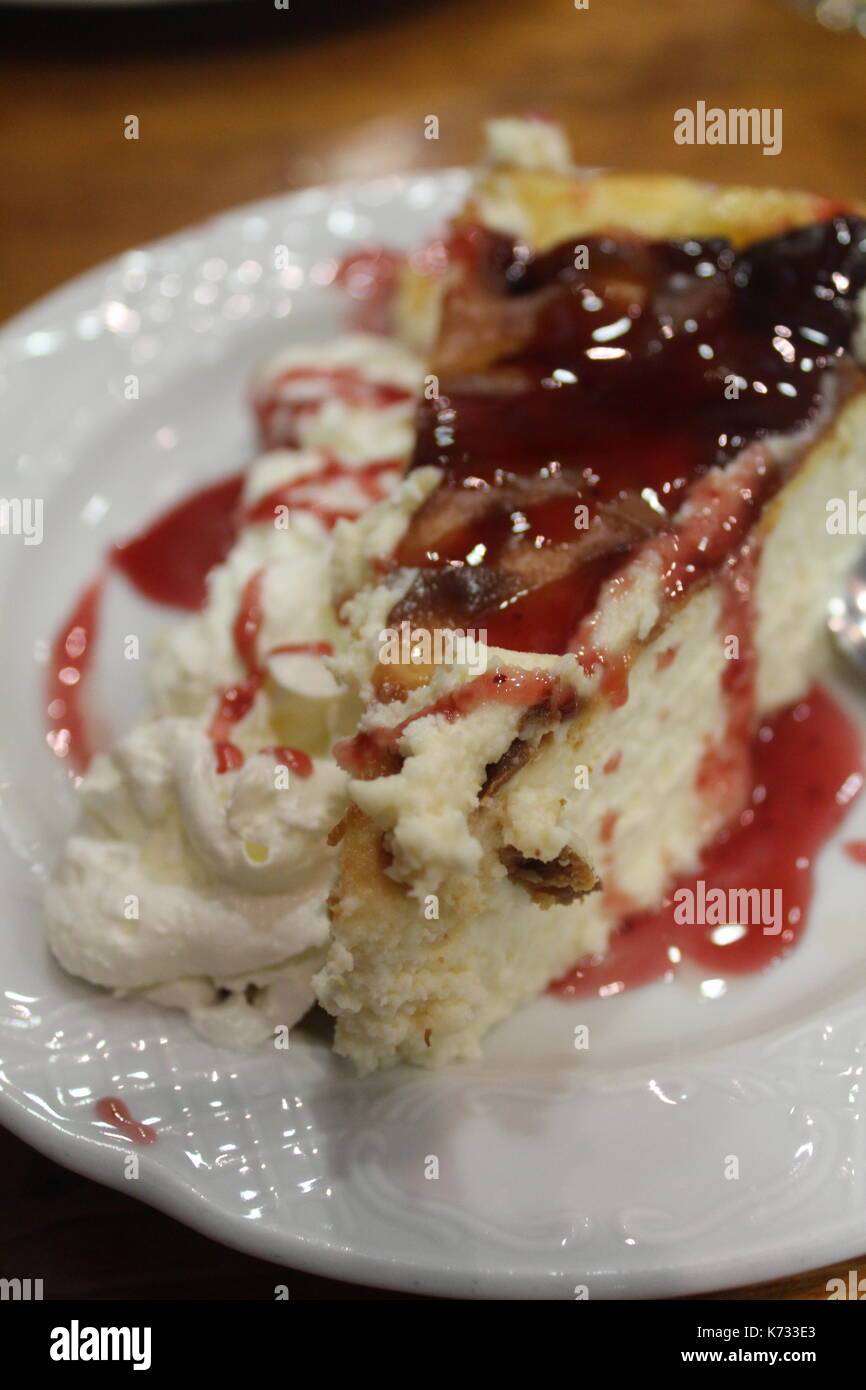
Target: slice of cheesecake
641,395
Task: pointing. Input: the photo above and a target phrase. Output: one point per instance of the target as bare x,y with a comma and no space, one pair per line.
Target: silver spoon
847,617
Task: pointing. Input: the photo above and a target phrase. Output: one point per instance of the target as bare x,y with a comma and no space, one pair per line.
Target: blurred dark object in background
64,27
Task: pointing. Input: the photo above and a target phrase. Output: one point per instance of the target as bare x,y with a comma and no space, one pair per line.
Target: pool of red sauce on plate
169,560
807,768
114,1112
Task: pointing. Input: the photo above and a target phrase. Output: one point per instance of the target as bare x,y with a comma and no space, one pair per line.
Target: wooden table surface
239,100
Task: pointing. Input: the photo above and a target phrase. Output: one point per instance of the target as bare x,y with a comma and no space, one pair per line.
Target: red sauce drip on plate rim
807,770
114,1112
70,724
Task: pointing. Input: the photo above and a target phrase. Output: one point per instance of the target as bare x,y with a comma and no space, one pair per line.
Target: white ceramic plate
557,1168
